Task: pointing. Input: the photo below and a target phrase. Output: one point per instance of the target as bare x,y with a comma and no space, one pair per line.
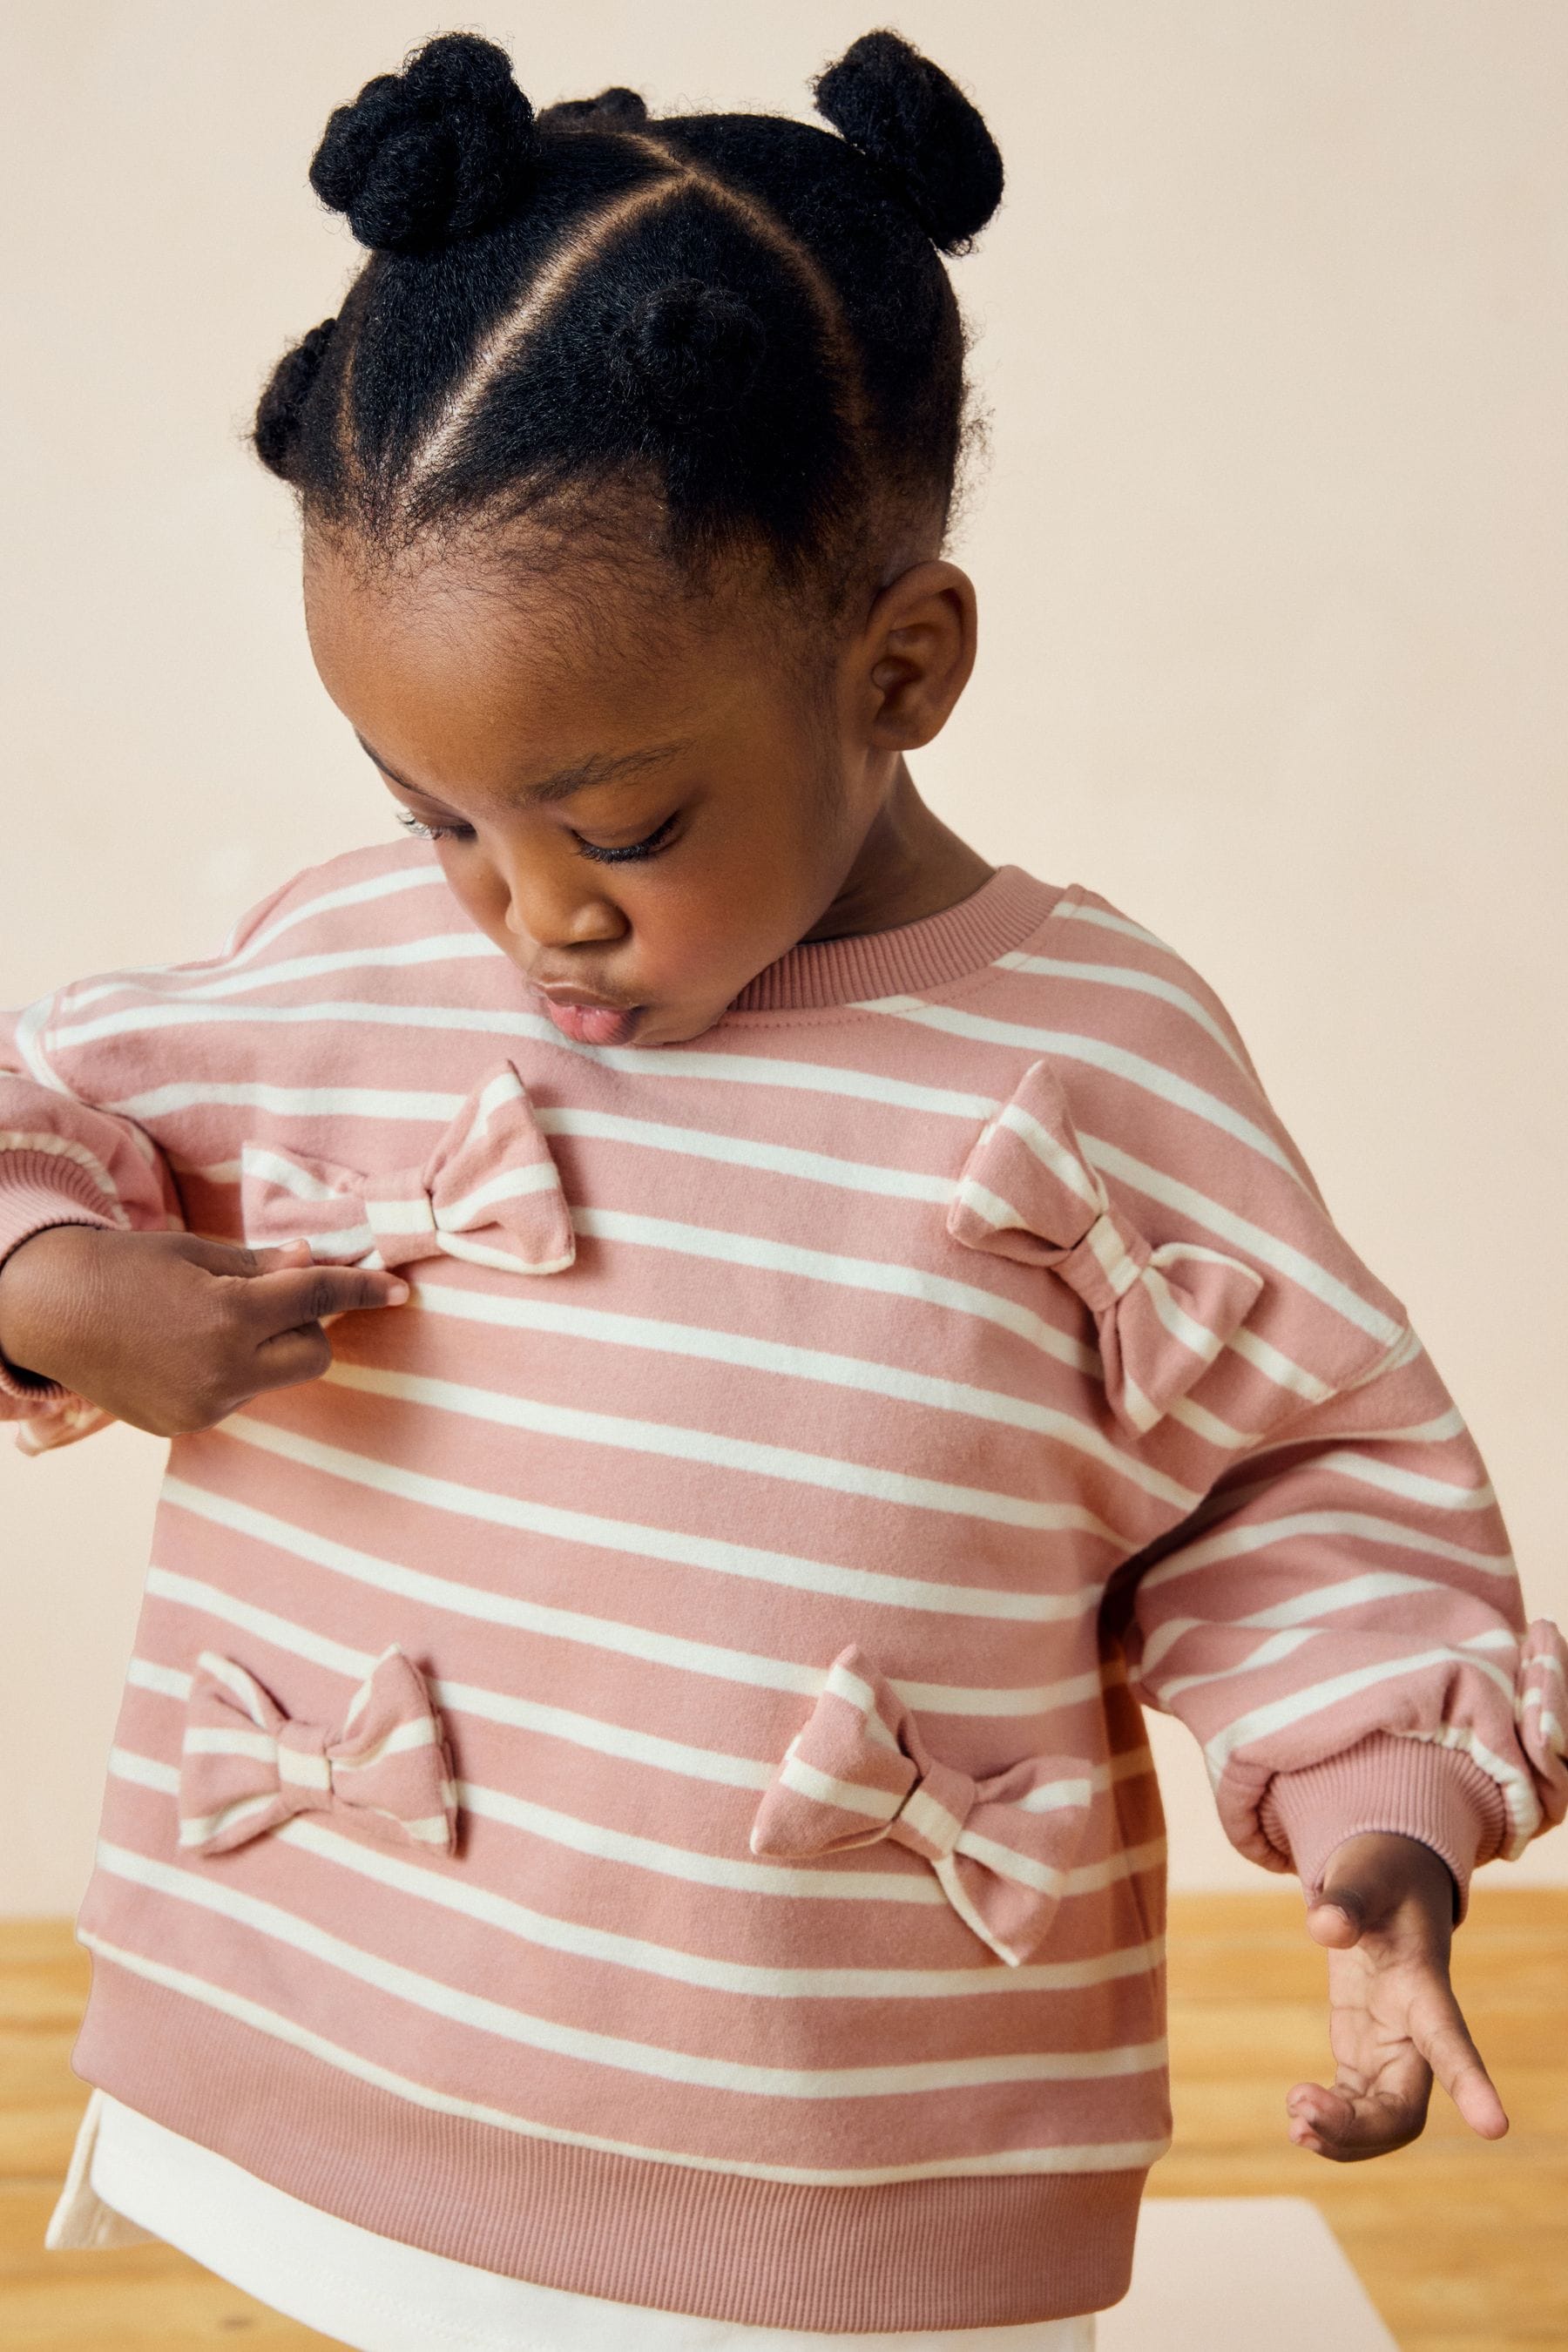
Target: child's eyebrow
599,768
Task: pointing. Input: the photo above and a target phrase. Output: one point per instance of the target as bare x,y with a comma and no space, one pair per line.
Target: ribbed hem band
954,2251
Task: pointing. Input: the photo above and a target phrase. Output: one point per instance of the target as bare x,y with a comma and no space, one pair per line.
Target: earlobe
920,637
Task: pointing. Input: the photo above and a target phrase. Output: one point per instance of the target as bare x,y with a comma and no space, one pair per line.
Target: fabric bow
489,1173
1000,1847
1541,1711
246,1767
1027,1192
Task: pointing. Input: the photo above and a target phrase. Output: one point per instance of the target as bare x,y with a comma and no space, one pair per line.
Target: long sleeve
1340,1626
1333,1609
862,1347
69,1156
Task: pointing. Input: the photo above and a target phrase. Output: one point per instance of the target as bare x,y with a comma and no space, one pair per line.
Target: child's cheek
691,939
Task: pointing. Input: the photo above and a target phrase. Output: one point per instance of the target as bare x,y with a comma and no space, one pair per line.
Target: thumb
1337,1913
240,1257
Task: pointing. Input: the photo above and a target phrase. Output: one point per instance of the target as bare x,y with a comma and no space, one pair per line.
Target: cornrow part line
501,345
351,316
770,230
773,362
681,177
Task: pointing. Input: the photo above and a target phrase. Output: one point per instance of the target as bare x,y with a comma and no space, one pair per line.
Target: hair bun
441,150
282,404
613,110
693,350
919,133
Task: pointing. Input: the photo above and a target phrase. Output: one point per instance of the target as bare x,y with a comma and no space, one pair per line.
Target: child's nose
548,905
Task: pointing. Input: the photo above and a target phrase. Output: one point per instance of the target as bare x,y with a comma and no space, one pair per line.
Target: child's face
636,798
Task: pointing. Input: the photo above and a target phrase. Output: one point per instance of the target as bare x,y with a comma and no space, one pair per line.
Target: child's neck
909,866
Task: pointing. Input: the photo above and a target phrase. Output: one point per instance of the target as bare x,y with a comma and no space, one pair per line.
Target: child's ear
917,653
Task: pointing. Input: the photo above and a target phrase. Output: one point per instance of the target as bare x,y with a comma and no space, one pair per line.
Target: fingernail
397,1292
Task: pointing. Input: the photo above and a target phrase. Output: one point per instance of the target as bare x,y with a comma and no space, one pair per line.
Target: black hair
739,318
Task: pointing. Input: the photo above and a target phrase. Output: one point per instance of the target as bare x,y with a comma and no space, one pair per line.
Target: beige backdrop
1270,554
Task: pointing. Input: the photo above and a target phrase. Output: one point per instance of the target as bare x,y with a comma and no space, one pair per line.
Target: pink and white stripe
802,1452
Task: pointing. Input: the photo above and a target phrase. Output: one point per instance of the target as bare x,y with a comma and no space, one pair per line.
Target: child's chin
671,1024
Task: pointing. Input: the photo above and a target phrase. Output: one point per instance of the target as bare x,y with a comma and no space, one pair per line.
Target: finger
1350,2121
1371,1879
289,1357
1337,1920
1438,2031
1362,1882
236,1258
282,1299
1318,2115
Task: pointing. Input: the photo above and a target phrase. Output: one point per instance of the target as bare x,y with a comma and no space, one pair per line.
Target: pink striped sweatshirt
635,1779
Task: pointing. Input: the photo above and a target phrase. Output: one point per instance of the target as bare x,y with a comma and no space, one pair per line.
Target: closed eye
649,845
406,818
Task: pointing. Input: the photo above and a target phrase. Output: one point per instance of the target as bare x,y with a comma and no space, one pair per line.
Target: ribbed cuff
37,1189
1411,1788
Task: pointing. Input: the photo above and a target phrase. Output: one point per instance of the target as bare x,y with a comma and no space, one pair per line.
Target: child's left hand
1385,1915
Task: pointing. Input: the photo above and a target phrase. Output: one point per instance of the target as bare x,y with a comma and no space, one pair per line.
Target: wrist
28,1276
1402,1866
1387,1784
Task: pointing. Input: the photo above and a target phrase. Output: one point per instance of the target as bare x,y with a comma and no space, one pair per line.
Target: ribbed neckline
937,949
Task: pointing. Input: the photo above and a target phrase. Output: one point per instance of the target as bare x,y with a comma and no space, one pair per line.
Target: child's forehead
446,668
500,614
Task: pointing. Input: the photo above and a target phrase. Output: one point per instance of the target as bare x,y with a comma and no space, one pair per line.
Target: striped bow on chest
487,1191
858,1771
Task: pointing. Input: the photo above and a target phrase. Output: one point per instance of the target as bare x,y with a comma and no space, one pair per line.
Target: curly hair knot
444,149
918,132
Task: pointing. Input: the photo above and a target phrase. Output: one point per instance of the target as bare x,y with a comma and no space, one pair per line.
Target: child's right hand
171,1331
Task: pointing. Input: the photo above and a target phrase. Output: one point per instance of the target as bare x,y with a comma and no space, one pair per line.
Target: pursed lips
590,1019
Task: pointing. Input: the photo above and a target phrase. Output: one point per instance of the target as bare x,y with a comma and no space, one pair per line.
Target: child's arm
1342,1627
1337,1616
128,1315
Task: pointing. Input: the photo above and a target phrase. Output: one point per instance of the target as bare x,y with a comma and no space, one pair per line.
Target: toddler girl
630,1823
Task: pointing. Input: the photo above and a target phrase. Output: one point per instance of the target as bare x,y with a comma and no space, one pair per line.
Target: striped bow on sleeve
1340,1627
1163,1311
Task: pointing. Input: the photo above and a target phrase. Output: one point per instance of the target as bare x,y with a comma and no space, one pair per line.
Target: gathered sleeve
71,1152
1335,1614
1340,1626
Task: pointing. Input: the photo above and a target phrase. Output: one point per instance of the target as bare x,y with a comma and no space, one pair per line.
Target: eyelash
649,847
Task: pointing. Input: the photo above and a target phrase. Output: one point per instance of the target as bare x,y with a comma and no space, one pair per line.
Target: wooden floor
1464,2246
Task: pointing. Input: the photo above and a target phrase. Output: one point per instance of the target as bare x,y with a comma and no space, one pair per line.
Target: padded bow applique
245,1765
486,1191
1541,1711
1163,1314
859,1770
